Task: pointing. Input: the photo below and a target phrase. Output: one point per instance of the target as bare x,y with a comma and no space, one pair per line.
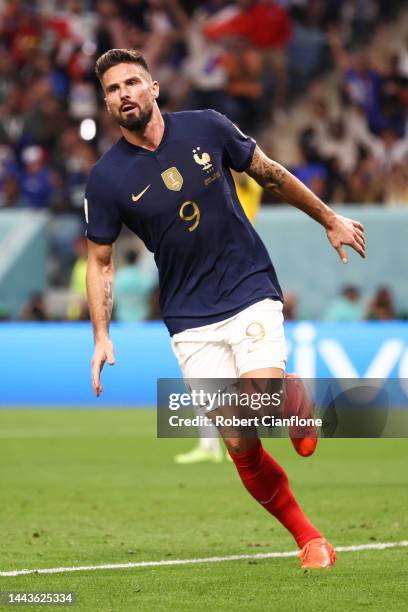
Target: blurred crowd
250,59
355,150
137,299
350,306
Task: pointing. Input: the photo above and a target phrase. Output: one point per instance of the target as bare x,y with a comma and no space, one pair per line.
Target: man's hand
342,231
103,352
285,186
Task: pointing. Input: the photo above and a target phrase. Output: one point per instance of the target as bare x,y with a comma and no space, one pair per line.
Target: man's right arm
99,282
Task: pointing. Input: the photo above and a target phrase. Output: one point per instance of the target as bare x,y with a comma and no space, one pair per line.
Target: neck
151,136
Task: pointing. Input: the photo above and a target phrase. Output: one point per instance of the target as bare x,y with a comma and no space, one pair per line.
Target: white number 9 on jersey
189,211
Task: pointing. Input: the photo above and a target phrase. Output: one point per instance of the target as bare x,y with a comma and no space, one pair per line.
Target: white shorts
250,340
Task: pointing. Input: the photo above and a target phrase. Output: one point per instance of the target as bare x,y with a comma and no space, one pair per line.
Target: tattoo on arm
288,188
266,172
108,300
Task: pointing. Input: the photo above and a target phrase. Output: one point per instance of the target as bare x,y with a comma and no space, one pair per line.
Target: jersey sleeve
238,148
102,213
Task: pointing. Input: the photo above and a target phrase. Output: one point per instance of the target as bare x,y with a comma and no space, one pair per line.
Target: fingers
360,242
359,237
358,225
360,233
97,366
110,357
342,254
359,249
357,243
103,352
352,234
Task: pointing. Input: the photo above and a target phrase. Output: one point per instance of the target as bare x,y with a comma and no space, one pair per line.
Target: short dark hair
113,57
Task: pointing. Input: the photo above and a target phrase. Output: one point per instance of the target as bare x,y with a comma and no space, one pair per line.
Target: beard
135,123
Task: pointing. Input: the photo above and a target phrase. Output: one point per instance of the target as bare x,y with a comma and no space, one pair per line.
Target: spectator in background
347,307
12,115
365,185
306,49
21,30
36,186
112,29
77,168
243,69
202,67
59,201
8,165
340,144
381,306
319,173
159,42
78,306
82,99
132,290
45,121
313,174
6,73
74,158
361,81
362,85
390,150
396,186
266,25
35,309
393,99
358,19
10,193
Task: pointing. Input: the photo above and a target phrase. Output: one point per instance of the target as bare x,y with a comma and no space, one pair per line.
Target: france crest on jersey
181,201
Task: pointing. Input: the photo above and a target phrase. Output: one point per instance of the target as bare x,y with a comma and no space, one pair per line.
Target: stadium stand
322,85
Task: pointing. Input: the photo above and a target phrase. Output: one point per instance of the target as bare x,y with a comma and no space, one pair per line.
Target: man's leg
260,474
266,480
207,450
201,354
268,483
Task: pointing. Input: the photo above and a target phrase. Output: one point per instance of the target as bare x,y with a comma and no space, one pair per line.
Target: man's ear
107,106
155,89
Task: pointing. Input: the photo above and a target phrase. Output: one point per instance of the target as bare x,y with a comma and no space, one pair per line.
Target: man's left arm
274,177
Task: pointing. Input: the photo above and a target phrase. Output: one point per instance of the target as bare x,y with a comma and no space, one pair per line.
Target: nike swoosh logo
135,198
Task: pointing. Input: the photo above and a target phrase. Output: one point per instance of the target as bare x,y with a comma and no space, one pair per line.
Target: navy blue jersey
181,201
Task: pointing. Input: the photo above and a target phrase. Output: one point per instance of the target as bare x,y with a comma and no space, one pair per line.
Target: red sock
267,482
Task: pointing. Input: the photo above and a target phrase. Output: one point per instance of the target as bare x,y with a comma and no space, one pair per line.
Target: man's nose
124,92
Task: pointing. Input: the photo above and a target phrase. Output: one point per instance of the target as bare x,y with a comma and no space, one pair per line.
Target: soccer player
168,179
249,194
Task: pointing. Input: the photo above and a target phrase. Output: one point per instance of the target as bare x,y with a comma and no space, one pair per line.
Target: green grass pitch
94,487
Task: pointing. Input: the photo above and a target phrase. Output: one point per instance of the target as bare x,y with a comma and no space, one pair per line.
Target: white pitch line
271,555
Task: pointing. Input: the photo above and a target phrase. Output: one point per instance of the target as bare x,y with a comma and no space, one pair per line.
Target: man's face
130,94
